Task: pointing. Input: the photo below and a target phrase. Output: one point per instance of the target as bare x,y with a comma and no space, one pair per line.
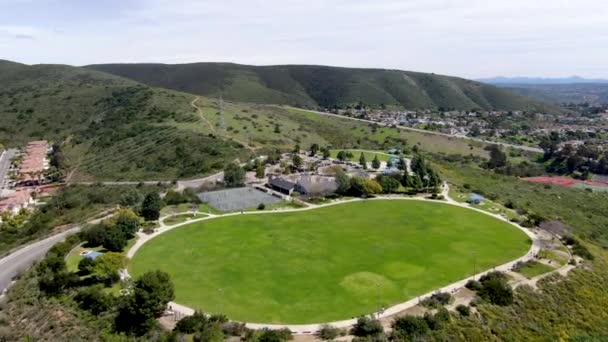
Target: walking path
311,328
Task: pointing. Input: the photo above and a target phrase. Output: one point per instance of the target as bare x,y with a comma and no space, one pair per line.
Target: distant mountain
591,93
323,86
539,80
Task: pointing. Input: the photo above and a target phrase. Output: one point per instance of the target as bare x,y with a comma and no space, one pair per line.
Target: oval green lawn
326,264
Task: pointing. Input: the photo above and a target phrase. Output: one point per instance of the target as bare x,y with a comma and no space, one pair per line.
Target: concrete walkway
311,328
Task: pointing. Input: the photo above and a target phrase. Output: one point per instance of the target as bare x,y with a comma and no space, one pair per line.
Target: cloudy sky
469,38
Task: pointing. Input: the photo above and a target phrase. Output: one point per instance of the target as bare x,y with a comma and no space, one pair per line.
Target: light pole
379,305
220,299
474,264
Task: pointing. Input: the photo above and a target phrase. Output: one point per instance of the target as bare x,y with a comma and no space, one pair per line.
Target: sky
468,38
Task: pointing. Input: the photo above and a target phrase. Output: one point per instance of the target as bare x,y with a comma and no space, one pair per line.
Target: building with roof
16,201
316,185
34,163
476,199
93,255
281,184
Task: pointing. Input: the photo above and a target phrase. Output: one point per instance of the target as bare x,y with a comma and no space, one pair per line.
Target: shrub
261,206
328,332
497,291
85,266
366,326
473,285
463,310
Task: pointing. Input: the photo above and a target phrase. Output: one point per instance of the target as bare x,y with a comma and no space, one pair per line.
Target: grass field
328,264
369,155
532,269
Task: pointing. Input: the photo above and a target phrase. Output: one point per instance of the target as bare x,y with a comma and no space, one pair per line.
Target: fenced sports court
237,199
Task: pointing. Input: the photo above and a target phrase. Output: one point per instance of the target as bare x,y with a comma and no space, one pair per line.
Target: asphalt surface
5,163
23,258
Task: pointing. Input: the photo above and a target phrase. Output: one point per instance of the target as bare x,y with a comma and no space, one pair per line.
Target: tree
341,156
389,164
114,239
108,264
343,182
326,153
234,175
94,299
260,171
151,293
85,266
328,332
130,198
314,148
496,291
366,326
281,335
277,129
365,187
376,162
497,157
362,161
297,161
389,184
150,208
410,327
127,222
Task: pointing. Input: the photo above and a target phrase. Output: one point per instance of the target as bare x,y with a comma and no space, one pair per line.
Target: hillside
109,127
112,128
323,86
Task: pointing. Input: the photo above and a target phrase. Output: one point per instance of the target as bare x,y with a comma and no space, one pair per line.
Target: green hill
323,86
109,127
112,128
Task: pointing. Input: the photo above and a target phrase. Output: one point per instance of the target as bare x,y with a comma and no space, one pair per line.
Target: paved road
520,147
5,163
182,184
23,258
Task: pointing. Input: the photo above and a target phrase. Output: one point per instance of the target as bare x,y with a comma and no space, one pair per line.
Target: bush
366,326
473,285
262,206
497,291
328,332
85,266
463,310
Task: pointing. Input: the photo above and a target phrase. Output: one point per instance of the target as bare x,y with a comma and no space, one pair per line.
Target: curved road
22,259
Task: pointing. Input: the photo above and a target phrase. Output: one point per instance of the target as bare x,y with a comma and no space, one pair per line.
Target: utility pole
474,264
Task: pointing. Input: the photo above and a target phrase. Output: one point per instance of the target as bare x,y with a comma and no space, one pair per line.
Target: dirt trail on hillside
202,116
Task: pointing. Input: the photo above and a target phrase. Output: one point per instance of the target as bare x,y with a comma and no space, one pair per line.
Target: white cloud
472,38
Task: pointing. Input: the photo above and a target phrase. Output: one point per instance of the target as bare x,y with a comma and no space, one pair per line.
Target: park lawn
369,155
554,256
171,220
533,268
329,263
176,209
487,205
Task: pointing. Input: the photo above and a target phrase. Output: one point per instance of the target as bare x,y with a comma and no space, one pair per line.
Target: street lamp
474,264
220,299
379,305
